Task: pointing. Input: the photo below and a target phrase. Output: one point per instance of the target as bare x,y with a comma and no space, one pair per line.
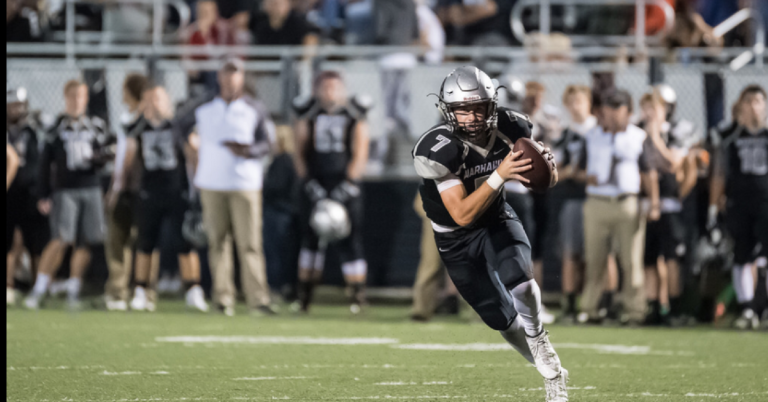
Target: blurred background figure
74,149
615,177
739,189
331,154
122,202
233,132
23,155
277,24
570,188
164,196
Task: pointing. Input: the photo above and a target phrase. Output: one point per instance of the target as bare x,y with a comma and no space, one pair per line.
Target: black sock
143,284
606,301
674,306
570,303
357,292
189,284
305,291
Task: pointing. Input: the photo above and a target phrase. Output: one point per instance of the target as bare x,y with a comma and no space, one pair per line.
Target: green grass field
175,355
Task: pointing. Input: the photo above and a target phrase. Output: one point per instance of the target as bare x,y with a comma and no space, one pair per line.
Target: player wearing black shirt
464,163
331,153
163,196
21,212
75,149
740,187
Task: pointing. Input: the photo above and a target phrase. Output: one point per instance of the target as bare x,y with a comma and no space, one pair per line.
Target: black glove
315,191
344,191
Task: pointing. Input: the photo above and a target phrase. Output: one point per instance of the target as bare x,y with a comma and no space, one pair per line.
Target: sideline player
464,163
740,187
331,154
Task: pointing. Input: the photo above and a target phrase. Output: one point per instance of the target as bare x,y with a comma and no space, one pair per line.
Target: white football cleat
544,355
747,320
116,305
139,302
196,299
32,302
556,387
546,317
10,296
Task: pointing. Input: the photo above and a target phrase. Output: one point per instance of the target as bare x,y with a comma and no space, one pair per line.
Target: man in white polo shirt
617,168
234,132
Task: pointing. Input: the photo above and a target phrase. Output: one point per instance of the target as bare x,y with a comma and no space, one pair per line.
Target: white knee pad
355,268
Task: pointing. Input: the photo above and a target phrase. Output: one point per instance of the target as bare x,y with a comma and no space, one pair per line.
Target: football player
163,195
464,163
22,145
75,149
331,154
665,237
740,187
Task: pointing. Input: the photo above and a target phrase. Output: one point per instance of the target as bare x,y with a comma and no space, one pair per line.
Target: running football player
464,163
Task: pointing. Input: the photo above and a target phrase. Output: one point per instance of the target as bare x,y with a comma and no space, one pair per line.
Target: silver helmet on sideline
330,221
467,86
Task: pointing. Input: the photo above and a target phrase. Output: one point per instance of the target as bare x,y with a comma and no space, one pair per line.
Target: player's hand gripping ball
543,174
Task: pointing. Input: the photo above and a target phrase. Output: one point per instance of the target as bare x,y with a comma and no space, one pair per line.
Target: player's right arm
466,208
11,165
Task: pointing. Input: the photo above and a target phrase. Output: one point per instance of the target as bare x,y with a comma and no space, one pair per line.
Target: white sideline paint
105,372
270,378
415,383
287,340
489,347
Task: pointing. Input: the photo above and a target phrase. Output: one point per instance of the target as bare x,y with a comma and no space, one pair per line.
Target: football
541,174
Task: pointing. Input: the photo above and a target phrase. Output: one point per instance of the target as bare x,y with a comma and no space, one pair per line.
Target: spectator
476,22
164,197
431,33
23,23
277,24
233,132
237,13
75,149
577,99
122,200
616,165
690,29
209,29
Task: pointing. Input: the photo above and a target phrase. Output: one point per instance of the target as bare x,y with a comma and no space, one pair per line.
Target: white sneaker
747,320
174,285
196,299
139,302
116,305
151,307
546,317
10,296
57,288
544,355
32,302
163,284
556,387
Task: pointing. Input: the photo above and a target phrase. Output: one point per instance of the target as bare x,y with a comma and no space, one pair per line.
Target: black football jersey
743,160
160,151
329,146
23,139
441,155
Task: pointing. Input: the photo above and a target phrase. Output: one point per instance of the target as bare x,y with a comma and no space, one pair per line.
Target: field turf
177,355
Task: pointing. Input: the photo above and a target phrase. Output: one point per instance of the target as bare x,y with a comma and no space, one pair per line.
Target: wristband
495,181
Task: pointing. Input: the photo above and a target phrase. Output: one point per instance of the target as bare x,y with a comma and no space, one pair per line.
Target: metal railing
639,39
759,47
70,37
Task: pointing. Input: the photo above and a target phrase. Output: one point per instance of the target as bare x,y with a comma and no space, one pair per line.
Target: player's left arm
360,145
690,175
11,165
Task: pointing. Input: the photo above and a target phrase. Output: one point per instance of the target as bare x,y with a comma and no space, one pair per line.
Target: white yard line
490,347
287,340
414,383
269,378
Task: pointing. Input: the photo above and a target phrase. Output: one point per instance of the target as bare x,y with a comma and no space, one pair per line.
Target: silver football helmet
466,86
330,221
670,98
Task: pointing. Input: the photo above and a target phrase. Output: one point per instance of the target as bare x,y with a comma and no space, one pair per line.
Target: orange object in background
654,18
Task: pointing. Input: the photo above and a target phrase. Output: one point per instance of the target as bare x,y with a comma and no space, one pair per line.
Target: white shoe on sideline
544,355
139,301
747,320
196,299
32,302
10,296
556,387
546,317
116,305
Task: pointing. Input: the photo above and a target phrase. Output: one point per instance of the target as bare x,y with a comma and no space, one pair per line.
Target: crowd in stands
369,22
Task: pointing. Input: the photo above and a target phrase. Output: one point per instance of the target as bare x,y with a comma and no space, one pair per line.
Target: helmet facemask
477,131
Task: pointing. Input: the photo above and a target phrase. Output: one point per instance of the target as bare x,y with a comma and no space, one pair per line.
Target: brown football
541,174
